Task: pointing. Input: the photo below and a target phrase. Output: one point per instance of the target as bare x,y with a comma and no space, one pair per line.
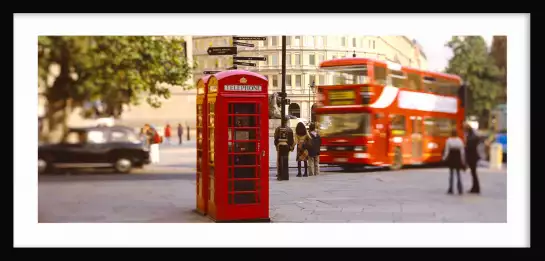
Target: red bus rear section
383,114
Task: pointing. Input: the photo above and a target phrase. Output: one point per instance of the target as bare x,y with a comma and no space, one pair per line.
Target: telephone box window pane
245,160
246,134
245,147
230,111
241,173
231,202
245,121
230,160
246,198
230,121
230,173
242,185
245,108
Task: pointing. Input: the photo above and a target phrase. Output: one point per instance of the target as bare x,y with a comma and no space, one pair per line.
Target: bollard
496,156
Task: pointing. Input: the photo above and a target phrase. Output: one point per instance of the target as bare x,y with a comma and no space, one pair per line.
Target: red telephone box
238,162
202,149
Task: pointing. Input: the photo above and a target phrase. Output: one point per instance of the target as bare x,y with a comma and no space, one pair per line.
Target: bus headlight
359,148
323,148
432,145
361,155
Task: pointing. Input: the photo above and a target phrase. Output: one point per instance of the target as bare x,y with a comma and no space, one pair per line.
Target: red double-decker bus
378,113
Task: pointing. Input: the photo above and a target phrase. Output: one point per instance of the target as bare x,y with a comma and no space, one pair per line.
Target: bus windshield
348,124
343,75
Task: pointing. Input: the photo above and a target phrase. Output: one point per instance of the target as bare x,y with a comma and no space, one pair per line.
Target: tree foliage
472,62
113,69
498,51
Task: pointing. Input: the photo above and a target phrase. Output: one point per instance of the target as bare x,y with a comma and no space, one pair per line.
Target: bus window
415,82
380,74
352,74
430,84
347,124
397,124
379,116
451,87
439,127
397,78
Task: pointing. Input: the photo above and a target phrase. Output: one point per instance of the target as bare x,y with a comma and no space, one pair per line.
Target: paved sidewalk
414,195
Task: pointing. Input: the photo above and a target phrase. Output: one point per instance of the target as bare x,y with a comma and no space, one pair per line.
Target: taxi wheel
123,165
397,162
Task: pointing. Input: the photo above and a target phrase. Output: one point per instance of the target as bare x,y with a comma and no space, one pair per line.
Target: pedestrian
290,142
167,134
187,126
154,139
302,139
180,133
314,151
455,159
472,156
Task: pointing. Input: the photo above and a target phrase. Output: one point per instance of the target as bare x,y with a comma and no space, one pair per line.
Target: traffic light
462,94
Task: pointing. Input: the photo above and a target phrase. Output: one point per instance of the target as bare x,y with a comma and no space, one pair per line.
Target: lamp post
311,88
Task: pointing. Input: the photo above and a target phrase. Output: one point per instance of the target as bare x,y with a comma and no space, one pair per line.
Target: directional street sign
222,50
241,58
243,63
210,72
243,44
249,38
232,68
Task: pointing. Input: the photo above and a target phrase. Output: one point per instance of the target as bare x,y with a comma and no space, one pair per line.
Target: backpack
157,138
315,141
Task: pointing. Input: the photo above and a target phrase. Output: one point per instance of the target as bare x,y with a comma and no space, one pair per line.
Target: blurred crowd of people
151,136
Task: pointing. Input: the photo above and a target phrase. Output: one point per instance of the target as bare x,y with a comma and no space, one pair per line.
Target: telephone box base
200,212
254,220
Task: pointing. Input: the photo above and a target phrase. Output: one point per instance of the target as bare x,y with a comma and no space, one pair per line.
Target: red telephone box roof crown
230,73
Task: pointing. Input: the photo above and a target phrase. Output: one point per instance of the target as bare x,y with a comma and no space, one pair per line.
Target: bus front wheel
397,162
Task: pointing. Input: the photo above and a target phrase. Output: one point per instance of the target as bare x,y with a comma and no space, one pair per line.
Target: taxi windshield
347,124
346,75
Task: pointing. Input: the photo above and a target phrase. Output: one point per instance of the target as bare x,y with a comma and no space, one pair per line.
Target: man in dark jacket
472,157
291,141
314,151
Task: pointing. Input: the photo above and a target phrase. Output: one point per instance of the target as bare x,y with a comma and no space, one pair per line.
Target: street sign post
243,63
249,38
243,44
222,50
242,58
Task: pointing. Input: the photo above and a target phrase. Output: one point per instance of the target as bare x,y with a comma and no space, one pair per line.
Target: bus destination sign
344,97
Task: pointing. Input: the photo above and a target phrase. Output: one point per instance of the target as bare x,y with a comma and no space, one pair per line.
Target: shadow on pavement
99,175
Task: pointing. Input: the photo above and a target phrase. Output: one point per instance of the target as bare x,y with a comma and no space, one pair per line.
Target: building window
372,44
274,59
312,59
311,79
274,40
288,40
321,41
334,57
288,58
266,62
309,40
298,80
321,58
288,80
354,43
343,41
275,80
297,41
297,59
321,80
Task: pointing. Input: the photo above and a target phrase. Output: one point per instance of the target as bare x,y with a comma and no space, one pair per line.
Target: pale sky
438,55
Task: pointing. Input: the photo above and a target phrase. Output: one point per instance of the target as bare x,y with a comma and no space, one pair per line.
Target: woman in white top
455,159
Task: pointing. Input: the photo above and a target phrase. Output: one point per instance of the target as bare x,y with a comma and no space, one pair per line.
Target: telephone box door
248,162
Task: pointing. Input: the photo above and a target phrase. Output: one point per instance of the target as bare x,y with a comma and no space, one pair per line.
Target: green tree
472,62
116,70
498,51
